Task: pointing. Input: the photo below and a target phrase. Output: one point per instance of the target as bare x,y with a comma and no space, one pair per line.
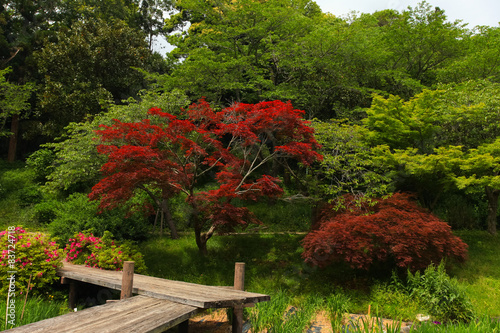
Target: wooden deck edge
58,323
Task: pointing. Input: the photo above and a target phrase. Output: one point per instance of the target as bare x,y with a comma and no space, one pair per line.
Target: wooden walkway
196,295
161,304
139,314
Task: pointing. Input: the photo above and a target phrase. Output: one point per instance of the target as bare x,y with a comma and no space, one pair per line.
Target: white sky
473,12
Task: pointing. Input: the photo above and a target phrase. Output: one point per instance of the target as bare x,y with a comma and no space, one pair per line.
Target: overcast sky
473,12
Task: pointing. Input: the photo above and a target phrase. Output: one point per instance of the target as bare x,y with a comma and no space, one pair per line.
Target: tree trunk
166,210
492,195
14,128
201,240
200,236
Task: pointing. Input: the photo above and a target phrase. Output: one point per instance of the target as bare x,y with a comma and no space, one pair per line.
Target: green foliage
35,309
482,325
462,211
13,99
441,295
42,163
337,305
33,256
479,59
77,164
349,165
85,68
390,300
280,316
106,253
77,213
281,215
17,194
439,41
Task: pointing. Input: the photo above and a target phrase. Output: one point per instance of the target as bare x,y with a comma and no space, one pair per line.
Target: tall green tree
443,138
229,52
422,41
13,101
480,59
86,68
349,165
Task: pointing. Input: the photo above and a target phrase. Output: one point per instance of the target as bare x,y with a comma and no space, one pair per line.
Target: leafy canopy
235,145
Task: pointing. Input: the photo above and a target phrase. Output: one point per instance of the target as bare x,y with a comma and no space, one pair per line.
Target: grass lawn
274,266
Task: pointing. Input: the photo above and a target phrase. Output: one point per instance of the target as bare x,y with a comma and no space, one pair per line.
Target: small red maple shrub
395,229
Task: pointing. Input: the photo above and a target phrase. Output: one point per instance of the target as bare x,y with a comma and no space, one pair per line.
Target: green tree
349,165
443,138
421,41
480,59
229,51
88,67
13,101
77,164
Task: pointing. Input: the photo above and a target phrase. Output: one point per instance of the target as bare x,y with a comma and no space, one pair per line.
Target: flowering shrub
105,253
26,254
395,230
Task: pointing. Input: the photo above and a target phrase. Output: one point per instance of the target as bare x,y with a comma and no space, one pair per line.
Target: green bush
77,213
27,257
45,212
42,163
441,295
30,195
106,253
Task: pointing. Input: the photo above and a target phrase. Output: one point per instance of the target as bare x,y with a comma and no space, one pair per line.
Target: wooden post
127,279
239,284
73,291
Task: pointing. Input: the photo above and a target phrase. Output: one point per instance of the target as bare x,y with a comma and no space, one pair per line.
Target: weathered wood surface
139,314
181,292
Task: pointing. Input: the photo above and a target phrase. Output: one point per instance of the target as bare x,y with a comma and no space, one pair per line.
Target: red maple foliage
395,230
233,145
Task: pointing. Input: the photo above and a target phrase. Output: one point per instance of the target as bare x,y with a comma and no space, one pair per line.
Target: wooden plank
139,314
176,291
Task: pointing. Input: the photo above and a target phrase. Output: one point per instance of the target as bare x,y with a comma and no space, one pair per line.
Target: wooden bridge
159,305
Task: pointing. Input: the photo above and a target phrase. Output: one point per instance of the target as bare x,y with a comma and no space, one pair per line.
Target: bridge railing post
239,284
127,279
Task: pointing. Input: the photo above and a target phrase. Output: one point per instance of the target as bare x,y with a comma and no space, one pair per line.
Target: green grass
36,309
274,266
14,180
480,275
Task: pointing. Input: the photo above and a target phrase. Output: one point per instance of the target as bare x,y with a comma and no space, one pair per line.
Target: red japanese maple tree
233,145
395,230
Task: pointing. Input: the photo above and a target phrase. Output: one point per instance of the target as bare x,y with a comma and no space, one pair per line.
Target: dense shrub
42,164
393,231
76,214
31,254
106,253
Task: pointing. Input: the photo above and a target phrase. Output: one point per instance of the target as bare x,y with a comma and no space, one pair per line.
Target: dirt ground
217,322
